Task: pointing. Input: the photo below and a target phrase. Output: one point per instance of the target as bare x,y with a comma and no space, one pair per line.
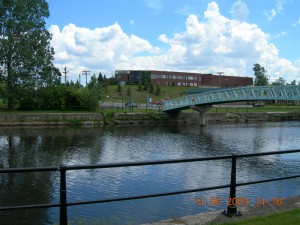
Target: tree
260,74
90,96
25,51
157,90
279,81
119,88
146,79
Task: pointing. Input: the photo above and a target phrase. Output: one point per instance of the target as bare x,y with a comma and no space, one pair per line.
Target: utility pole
65,72
86,74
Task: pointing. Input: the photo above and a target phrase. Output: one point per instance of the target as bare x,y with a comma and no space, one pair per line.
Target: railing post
63,213
232,208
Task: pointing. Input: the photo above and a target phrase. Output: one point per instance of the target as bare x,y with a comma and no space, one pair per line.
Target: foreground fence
64,204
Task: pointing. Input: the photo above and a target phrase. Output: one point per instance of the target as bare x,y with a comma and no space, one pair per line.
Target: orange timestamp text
239,201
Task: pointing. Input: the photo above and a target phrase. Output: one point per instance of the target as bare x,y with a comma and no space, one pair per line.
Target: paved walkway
218,217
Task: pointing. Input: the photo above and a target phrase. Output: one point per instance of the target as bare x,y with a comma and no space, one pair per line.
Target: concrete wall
96,119
35,119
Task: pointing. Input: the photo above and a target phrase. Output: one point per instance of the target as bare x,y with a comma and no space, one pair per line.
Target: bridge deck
257,93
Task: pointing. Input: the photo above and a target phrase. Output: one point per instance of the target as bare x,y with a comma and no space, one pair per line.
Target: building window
153,76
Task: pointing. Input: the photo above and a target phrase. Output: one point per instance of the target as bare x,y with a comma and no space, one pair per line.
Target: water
34,147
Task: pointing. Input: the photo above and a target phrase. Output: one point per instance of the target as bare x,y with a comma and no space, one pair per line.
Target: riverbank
136,118
216,217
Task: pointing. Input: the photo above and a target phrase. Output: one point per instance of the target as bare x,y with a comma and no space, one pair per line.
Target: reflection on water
34,147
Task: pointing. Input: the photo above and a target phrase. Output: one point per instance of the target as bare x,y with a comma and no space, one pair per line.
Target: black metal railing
63,204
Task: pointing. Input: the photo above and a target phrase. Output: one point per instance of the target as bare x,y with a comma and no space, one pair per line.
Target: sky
202,36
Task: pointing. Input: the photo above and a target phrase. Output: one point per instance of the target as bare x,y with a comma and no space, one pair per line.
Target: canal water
42,147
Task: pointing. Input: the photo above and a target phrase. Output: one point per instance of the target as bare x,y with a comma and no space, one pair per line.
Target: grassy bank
291,217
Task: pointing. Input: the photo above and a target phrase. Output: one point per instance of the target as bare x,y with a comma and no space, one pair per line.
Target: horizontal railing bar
145,163
37,206
148,196
29,169
268,180
267,153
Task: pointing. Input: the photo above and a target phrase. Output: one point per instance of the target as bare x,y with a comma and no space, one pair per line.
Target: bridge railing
64,204
257,93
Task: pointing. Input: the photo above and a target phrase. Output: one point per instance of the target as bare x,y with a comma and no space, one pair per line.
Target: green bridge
203,100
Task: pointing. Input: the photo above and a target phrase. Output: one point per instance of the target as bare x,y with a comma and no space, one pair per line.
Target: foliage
151,89
119,88
91,94
25,51
279,81
63,97
260,74
146,79
157,90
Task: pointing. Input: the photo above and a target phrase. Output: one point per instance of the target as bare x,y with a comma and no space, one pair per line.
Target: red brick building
169,78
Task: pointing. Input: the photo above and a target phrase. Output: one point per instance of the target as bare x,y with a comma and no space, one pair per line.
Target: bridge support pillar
202,110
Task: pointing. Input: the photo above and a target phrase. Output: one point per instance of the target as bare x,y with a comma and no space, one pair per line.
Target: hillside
112,95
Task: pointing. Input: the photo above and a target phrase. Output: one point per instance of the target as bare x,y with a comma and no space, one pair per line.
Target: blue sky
191,35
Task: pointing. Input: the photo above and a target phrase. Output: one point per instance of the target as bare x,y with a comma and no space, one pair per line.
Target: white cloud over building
213,44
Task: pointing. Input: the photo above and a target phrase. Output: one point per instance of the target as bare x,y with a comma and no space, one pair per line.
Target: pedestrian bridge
203,100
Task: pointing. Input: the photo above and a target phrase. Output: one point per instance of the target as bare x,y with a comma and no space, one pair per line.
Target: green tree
119,88
90,96
146,78
157,90
25,51
260,74
151,88
279,81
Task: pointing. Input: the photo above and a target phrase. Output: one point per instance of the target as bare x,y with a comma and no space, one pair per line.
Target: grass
291,217
140,96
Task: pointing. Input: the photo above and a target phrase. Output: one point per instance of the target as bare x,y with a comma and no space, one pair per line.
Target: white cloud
100,49
215,43
154,4
132,22
296,23
283,33
239,10
277,10
271,14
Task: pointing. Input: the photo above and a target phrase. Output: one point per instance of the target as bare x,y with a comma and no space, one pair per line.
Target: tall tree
260,74
25,51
